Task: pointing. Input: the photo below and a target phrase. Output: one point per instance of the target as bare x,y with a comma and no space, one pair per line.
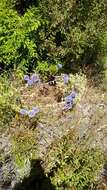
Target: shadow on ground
37,179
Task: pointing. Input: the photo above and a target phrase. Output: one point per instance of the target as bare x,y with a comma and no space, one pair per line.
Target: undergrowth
70,159
73,163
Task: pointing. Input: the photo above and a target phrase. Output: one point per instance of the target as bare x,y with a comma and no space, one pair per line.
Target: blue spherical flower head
73,94
68,106
35,78
33,112
69,102
69,99
30,82
26,77
66,79
36,110
59,66
23,111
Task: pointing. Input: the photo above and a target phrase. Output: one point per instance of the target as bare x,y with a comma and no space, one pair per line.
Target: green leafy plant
46,69
18,38
72,163
74,33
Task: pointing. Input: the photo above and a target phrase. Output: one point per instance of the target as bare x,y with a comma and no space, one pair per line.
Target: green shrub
49,31
75,30
73,164
46,69
19,38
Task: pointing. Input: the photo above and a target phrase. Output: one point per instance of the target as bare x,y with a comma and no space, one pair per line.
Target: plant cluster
49,33
76,165
30,113
75,32
69,101
52,39
33,80
19,38
73,164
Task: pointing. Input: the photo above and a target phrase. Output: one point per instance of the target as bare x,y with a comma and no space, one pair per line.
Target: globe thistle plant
31,80
35,78
69,101
23,111
26,77
66,79
32,113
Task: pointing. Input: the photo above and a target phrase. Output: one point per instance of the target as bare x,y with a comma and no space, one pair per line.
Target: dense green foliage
18,38
75,31
71,33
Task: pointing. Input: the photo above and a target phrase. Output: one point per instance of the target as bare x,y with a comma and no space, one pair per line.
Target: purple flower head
29,82
66,79
26,77
36,110
59,66
69,99
35,78
68,106
73,94
23,111
33,112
